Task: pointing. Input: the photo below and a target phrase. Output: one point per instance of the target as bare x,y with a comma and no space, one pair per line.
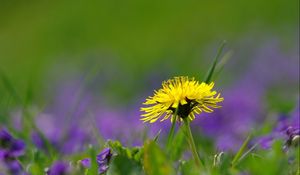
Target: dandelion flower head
183,96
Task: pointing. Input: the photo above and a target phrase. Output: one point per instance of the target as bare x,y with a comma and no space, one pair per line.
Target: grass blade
10,88
240,152
211,70
157,135
219,68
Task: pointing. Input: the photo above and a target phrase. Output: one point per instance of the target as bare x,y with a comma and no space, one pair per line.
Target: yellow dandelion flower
184,95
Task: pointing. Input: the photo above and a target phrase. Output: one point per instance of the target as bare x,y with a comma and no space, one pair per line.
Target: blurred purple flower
14,167
102,161
63,122
287,128
293,136
229,125
10,150
8,143
38,141
112,123
266,141
292,129
72,141
59,168
86,162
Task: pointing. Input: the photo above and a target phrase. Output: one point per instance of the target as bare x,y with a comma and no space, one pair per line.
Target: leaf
94,167
155,160
133,153
219,68
123,165
211,70
188,167
126,159
178,146
240,152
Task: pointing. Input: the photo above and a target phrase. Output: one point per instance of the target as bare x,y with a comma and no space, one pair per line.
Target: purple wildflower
287,128
293,136
102,161
266,141
86,162
10,150
64,121
66,138
15,147
14,167
38,141
59,168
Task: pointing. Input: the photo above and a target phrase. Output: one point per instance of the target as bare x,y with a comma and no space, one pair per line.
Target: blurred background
67,60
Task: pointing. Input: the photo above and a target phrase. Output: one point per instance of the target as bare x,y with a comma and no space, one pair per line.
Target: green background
131,38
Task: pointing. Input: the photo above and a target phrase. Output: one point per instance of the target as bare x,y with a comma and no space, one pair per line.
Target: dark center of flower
186,109
5,140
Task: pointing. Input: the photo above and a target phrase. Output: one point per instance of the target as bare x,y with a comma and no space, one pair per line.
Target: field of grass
155,88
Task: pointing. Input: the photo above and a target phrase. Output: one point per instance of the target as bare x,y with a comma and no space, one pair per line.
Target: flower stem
172,130
191,142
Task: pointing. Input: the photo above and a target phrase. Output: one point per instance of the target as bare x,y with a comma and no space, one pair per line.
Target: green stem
191,142
172,130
